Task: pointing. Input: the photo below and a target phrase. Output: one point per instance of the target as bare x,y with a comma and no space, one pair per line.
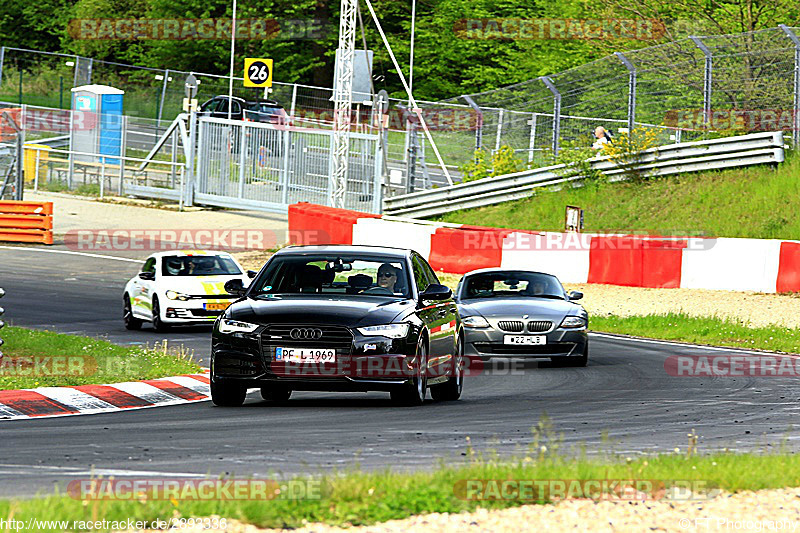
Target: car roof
184,253
498,269
345,249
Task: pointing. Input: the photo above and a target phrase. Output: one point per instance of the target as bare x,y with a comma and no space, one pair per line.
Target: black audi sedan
519,313
339,318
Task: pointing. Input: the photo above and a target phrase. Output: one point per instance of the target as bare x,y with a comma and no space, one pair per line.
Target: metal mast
343,97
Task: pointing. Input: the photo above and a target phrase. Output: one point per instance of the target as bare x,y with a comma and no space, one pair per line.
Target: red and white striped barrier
89,399
761,265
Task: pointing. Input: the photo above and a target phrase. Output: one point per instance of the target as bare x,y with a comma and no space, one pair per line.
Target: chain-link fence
688,89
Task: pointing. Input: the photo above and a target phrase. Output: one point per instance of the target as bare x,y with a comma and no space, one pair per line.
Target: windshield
334,274
199,265
512,284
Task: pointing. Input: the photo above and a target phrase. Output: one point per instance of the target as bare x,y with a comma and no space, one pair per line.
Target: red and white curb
90,399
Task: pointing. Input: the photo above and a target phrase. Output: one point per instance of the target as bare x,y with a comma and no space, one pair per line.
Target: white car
181,287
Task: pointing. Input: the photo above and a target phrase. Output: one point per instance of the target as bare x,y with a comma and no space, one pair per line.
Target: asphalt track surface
624,393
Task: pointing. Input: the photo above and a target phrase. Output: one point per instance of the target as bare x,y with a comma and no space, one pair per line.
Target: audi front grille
306,336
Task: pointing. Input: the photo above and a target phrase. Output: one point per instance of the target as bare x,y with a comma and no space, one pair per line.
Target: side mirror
251,274
147,276
235,287
575,295
436,292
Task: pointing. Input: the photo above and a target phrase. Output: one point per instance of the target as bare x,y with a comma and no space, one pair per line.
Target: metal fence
689,89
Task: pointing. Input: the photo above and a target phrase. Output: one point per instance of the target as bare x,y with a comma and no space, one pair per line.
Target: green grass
701,330
358,497
33,358
755,202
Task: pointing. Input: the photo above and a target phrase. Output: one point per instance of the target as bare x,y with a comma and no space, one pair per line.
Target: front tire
230,395
131,322
450,390
158,324
412,393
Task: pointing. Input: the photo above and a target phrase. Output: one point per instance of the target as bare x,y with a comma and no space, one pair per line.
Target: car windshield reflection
511,284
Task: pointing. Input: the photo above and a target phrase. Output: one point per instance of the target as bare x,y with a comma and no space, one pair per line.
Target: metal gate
269,166
11,140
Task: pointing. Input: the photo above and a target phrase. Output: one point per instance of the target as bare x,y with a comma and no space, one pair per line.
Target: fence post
123,139
89,71
556,111
242,156
479,128
532,141
294,100
2,61
163,94
36,173
499,130
796,119
631,90
707,73
286,140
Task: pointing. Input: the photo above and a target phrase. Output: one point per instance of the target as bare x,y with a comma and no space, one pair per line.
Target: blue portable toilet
97,122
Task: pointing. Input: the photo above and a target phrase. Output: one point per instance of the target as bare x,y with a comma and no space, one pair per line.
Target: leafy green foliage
503,162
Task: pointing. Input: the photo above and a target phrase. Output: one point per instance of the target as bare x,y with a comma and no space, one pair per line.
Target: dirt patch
253,259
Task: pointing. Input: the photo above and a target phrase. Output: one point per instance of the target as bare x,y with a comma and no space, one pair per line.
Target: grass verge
752,202
701,330
357,498
33,358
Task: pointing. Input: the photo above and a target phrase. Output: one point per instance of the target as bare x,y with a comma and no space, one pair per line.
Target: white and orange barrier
761,265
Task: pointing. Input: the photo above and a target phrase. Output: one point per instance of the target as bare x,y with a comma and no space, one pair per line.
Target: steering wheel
377,290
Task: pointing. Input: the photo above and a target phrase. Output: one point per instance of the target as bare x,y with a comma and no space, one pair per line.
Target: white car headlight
172,295
227,325
573,322
393,331
476,321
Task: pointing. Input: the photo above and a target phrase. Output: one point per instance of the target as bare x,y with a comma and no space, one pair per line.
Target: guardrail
715,154
26,222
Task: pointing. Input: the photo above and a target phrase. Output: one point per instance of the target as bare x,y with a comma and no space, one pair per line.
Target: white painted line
74,398
67,252
193,384
687,345
146,392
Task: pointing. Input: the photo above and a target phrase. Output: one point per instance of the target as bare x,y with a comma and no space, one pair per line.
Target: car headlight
172,295
227,325
476,321
393,331
573,322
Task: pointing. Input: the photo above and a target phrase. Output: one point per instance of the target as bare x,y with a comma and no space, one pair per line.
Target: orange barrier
26,222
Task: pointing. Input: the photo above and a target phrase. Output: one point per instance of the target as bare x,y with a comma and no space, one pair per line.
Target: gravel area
765,510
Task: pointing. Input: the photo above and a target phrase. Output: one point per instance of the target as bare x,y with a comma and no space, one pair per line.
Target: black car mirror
436,292
235,287
575,295
147,276
251,274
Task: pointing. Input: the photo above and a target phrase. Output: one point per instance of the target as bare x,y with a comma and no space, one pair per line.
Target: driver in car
387,277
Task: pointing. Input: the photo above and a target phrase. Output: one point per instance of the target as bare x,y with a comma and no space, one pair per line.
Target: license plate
217,307
305,355
524,339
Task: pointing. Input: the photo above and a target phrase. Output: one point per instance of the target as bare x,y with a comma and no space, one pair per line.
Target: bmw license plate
524,339
305,355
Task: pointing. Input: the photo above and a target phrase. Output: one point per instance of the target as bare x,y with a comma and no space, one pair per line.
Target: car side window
223,106
429,272
420,276
235,107
210,106
150,265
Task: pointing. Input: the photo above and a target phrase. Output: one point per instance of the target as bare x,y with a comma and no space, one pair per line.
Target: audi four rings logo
306,333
